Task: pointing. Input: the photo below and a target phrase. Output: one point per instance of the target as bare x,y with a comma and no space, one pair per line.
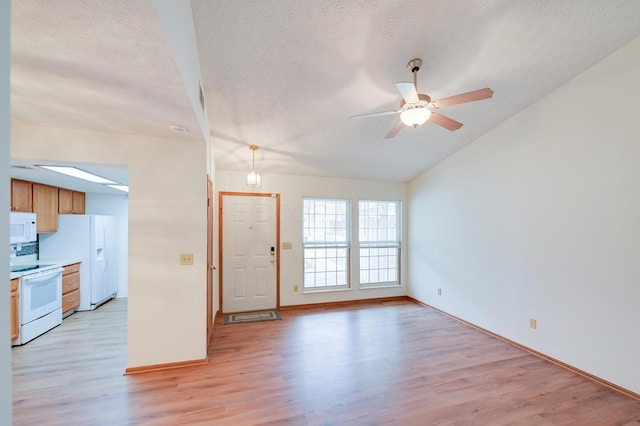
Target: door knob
212,267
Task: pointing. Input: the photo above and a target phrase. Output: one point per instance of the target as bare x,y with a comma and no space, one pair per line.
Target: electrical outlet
533,323
295,287
186,259
439,292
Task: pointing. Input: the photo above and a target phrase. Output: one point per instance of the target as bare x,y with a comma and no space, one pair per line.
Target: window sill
380,286
328,290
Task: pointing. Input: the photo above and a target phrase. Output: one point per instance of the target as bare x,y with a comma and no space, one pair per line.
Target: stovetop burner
25,268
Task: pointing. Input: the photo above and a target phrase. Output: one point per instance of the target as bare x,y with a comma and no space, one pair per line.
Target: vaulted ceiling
286,74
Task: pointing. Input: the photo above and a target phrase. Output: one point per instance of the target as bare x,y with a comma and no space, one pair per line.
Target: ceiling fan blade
463,98
444,121
408,92
394,130
373,114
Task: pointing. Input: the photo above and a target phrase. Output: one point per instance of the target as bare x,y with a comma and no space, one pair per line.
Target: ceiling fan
417,108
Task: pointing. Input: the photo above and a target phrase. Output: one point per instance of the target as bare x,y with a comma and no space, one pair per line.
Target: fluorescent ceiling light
78,173
124,188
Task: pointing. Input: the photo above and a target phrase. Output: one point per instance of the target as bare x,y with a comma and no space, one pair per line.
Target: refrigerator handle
106,247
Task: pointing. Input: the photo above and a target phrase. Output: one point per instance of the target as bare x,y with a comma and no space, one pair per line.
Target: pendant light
253,178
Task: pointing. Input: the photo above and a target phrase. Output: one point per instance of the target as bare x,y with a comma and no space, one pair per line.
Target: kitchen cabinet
21,196
15,329
70,287
45,205
70,202
65,201
78,202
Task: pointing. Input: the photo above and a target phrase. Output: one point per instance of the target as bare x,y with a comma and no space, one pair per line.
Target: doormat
252,317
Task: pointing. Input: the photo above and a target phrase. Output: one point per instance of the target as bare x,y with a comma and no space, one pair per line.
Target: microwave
23,228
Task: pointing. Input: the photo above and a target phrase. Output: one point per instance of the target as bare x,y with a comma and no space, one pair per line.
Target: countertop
61,262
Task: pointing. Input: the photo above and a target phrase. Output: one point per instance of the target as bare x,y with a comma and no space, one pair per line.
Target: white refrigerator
92,239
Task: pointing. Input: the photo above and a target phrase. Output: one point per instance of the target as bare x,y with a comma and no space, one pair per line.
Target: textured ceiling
98,65
95,64
286,74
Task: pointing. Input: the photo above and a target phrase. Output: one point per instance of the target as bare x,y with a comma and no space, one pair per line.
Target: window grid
325,241
379,229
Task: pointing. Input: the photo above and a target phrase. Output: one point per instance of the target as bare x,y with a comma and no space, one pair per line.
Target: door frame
221,196
210,265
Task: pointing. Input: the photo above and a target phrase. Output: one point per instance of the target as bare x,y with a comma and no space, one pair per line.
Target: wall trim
576,370
160,367
348,302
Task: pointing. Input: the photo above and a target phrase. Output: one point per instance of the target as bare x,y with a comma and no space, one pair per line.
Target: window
325,243
379,226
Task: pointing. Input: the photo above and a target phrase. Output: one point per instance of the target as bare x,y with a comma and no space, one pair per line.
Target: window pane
326,237
379,231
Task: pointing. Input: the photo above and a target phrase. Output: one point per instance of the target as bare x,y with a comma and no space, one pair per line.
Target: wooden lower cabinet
70,287
14,309
70,300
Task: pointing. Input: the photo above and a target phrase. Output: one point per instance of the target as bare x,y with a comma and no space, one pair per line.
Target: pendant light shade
253,178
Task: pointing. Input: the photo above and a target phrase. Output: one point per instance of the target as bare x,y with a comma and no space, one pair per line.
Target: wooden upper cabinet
25,195
45,205
65,201
70,202
21,196
78,202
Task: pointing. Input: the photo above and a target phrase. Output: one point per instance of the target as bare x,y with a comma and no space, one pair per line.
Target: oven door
40,294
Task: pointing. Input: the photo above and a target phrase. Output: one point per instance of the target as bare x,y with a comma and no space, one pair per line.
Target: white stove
32,268
40,299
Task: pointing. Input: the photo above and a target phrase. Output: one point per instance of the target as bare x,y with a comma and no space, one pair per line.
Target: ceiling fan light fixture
253,178
414,117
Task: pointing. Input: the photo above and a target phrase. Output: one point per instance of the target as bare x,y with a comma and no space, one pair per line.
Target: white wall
5,118
539,218
118,206
167,216
292,189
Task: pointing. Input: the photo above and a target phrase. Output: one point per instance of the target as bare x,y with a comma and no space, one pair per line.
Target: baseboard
346,302
576,370
161,367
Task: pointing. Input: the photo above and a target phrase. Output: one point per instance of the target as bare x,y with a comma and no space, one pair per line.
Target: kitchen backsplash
24,249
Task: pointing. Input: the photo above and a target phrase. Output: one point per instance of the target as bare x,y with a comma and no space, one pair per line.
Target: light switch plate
186,259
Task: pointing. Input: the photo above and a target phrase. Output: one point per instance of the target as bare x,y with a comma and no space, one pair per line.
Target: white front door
249,252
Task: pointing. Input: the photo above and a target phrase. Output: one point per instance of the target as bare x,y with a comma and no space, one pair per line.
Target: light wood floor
369,363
